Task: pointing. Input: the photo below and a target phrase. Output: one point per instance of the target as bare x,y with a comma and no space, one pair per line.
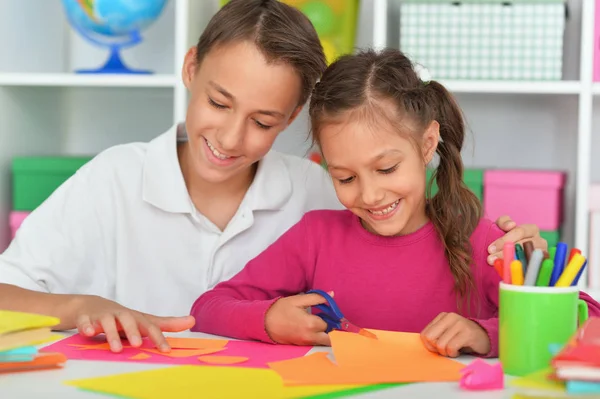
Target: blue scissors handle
330,312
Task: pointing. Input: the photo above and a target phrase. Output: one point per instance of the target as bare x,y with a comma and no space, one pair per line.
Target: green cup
533,318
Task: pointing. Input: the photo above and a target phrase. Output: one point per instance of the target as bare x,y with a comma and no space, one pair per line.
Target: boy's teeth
215,152
386,210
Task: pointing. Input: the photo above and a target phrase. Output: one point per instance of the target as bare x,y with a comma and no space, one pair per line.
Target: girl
393,260
139,231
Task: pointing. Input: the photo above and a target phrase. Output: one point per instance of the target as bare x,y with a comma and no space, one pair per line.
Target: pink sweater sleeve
237,308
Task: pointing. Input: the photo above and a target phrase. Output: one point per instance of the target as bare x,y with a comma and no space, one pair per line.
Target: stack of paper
574,371
19,335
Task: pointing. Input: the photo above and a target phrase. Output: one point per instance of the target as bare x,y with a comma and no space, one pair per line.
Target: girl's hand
97,315
288,321
449,334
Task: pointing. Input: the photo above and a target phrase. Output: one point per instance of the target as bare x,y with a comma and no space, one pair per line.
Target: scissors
333,316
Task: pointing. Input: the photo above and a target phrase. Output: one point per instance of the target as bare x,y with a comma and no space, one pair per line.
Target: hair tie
422,73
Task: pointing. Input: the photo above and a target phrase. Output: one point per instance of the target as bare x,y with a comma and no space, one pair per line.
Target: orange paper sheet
223,359
180,353
196,343
140,356
392,358
41,361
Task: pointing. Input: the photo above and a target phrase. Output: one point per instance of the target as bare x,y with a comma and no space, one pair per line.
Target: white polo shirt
124,227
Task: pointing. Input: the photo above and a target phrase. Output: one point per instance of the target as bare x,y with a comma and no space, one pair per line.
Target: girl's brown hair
361,82
282,33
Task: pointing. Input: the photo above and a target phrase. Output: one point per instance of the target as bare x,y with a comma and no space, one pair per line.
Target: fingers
109,326
321,339
306,300
440,332
505,223
155,335
172,324
129,326
516,234
84,326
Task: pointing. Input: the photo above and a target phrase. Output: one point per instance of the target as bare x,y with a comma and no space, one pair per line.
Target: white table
48,383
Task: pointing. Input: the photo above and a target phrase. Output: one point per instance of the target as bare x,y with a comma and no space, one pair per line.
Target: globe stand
114,64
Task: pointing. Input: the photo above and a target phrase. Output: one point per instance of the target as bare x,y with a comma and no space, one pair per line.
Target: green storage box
35,178
473,178
552,237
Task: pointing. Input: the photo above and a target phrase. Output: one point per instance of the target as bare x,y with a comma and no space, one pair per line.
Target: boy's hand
449,334
516,234
98,315
288,322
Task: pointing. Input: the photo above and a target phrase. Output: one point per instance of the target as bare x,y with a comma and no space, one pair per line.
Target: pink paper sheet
259,353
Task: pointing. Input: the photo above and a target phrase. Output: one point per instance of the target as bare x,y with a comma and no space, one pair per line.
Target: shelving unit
558,117
47,109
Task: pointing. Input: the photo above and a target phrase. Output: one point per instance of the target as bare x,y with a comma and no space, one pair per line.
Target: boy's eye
388,170
261,125
346,181
215,104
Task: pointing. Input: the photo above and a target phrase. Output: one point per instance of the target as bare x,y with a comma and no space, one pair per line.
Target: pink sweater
391,283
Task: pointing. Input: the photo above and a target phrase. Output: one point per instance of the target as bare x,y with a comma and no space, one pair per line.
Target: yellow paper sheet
16,321
201,382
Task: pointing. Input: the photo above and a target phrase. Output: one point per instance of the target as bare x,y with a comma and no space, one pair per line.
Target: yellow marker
571,271
516,272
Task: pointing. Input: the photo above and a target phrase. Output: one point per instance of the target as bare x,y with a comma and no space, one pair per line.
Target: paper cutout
104,346
223,359
18,339
182,353
18,321
258,354
393,357
207,382
41,361
481,376
196,343
140,356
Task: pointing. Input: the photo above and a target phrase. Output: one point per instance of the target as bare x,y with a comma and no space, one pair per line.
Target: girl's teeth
386,210
215,152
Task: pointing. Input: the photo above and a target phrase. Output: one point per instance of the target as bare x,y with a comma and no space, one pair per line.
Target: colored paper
481,376
393,357
196,343
22,338
41,361
259,354
183,353
17,321
223,359
206,382
140,356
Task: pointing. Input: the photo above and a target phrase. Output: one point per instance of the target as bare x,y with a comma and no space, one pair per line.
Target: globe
115,24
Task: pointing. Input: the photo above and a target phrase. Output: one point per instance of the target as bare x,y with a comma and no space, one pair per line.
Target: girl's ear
190,66
431,139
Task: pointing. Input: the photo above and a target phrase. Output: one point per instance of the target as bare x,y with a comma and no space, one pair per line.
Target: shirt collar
272,186
163,183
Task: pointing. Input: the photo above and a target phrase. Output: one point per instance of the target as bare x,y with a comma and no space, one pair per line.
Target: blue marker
559,262
576,280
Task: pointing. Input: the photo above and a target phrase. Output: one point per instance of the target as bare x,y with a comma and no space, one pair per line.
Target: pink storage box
16,218
526,196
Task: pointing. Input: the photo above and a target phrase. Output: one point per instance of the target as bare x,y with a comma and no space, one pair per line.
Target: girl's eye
262,126
346,181
215,104
388,170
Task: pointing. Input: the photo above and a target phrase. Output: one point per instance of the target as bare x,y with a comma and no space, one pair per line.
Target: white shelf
596,89
87,80
516,87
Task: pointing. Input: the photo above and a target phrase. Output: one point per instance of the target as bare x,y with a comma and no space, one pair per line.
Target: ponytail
455,211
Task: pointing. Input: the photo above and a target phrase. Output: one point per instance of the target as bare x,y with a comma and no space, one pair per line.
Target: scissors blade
345,325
